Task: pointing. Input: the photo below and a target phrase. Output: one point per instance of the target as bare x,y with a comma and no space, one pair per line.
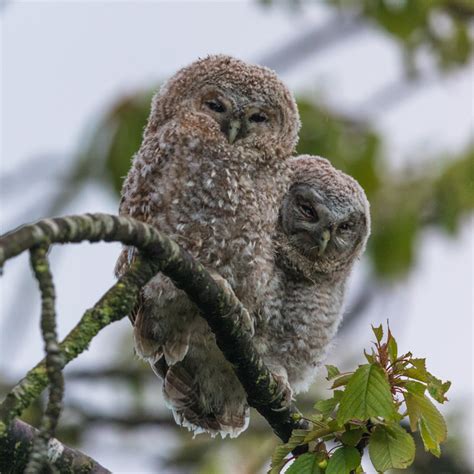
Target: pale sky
64,63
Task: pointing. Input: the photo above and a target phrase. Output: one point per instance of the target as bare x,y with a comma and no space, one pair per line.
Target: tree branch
54,360
20,438
219,306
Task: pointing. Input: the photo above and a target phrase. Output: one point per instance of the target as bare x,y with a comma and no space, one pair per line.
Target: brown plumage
210,173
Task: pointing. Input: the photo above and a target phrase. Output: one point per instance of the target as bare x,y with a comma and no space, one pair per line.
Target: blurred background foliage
438,193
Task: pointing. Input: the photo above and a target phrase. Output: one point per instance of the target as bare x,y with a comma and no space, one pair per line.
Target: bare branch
18,445
54,359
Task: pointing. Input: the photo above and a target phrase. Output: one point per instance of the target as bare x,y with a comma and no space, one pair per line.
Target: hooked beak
233,131
323,241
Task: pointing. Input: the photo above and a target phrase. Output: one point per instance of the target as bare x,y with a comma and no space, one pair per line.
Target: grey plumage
211,172
323,228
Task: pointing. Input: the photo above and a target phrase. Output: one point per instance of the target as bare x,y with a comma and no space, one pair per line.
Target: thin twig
54,359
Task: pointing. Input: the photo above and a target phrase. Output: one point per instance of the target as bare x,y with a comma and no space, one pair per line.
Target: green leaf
352,437
417,371
366,395
415,387
337,395
318,432
392,347
333,372
282,450
341,381
378,331
371,359
343,461
437,389
326,407
424,414
391,447
307,463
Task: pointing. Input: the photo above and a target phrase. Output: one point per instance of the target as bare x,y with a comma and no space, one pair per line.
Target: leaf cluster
366,409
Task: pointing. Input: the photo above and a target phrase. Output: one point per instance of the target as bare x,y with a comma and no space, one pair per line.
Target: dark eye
308,211
258,118
346,225
215,106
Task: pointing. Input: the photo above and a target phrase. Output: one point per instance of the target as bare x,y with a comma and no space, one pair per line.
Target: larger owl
323,227
210,173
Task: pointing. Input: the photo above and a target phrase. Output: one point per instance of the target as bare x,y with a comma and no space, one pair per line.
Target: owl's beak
323,240
233,130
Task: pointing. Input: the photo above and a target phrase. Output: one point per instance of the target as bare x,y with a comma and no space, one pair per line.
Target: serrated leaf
378,331
282,450
337,395
437,388
366,395
341,381
333,372
343,461
414,373
305,464
371,359
423,414
391,447
392,347
352,437
417,371
415,387
326,407
420,364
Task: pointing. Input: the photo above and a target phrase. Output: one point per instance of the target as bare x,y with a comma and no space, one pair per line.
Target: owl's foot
243,317
284,390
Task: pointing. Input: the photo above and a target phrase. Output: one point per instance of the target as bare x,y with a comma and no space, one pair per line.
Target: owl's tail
195,410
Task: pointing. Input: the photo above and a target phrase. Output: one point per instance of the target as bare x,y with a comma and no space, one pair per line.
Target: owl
210,173
323,227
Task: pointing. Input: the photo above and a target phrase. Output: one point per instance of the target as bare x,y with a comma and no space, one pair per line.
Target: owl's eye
258,117
346,226
215,106
308,211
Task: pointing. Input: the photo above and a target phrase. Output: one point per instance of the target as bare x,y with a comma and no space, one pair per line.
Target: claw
244,318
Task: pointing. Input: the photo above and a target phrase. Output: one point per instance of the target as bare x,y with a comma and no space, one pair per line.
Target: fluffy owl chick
210,173
323,227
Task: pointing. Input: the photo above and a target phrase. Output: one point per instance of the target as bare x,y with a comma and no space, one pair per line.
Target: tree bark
219,306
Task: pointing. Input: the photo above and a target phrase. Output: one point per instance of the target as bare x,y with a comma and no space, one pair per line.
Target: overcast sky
64,63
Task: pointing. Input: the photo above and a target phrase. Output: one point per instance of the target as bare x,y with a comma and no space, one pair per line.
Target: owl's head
248,104
324,220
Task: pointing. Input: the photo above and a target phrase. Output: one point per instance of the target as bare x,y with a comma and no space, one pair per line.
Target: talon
244,318
284,391
247,322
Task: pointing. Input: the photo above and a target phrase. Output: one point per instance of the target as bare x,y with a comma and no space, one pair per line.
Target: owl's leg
243,319
284,389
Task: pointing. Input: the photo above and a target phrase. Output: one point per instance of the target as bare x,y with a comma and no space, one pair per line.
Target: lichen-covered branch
116,303
222,310
54,359
19,440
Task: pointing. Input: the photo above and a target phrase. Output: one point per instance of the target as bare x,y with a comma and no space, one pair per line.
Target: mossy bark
219,306
19,440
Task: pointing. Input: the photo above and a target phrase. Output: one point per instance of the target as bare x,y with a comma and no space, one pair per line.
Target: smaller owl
323,227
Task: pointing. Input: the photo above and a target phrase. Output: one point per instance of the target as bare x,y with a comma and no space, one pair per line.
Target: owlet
323,227
210,173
